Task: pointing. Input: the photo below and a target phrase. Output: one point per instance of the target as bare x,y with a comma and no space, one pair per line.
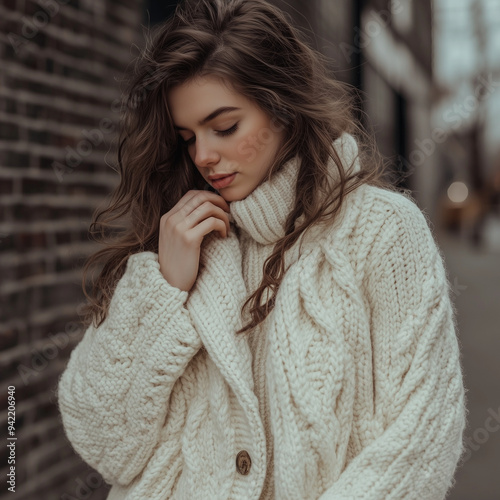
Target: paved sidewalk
475,278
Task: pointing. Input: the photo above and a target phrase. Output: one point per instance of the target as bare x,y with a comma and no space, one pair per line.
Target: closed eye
222,133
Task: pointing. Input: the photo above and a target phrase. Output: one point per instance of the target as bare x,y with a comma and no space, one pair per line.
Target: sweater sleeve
418,382
114,393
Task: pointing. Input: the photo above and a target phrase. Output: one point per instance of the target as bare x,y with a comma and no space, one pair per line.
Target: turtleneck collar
262,214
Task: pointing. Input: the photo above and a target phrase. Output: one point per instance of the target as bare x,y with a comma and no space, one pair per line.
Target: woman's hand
182,230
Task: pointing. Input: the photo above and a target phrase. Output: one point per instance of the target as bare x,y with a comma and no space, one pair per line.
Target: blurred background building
428,75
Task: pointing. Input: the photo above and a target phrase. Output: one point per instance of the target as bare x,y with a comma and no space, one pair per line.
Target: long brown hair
254,46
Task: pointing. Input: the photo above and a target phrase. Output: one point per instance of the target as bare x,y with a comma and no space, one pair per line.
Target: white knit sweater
362,370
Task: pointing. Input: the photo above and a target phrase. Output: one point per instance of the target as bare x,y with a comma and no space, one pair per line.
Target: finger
207,210
194,198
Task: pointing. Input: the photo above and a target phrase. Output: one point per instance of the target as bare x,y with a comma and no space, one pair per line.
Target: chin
235,197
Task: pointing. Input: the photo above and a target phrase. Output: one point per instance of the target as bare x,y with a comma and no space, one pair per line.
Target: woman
284,333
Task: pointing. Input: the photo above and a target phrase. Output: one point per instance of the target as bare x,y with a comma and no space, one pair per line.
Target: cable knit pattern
357,367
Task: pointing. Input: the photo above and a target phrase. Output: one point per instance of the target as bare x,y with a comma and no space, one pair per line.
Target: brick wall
58,118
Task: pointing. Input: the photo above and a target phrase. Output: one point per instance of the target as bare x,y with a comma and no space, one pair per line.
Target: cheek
252,147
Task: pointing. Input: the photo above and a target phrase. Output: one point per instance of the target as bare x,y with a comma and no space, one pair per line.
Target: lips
223,181
216,177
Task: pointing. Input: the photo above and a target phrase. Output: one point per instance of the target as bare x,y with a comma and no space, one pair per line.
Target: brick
37,186
6,185
9,338
62,237
30,269
29,241
13,306
15,158
21,211
40,212
9,131
13,272
7,242
39,136
59,294
8,105
35,110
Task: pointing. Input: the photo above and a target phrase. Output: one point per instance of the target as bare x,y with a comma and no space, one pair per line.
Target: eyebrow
212,115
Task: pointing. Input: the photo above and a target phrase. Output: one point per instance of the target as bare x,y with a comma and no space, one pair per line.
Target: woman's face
244,140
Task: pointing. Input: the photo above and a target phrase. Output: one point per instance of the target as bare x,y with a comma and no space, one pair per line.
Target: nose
205,155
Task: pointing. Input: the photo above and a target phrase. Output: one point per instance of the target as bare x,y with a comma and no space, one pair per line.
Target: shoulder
394,214
394,204
395,238
370,209
375,221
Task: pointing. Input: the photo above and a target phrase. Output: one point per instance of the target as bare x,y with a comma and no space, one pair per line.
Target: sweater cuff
146,284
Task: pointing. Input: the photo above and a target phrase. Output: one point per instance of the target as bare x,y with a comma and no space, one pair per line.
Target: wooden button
243,462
